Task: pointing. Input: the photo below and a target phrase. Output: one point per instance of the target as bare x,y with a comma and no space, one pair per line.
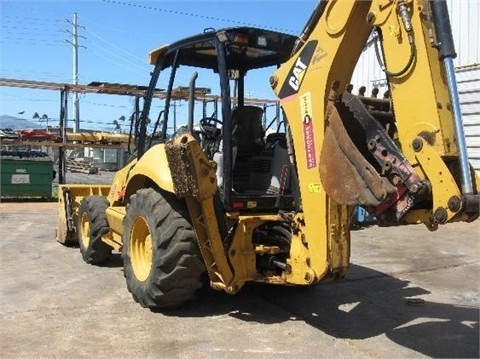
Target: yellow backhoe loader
239,199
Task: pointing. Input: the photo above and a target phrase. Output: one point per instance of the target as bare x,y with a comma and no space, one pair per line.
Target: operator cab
245,136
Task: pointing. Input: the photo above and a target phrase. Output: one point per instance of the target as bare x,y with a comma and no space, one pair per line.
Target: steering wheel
208,126
210,121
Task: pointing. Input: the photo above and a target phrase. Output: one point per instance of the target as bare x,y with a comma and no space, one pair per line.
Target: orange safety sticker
308,130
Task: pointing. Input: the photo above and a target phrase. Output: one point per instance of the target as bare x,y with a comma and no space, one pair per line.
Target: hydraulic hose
413,54
446,53
407,24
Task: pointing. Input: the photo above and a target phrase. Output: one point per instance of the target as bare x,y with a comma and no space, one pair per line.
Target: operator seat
248,142
247,129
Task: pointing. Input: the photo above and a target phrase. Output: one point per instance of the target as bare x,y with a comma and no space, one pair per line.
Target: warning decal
308,131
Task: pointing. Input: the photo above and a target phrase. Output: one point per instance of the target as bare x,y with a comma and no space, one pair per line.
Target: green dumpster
26,177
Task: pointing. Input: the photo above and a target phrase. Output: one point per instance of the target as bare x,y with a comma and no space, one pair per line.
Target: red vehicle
38,135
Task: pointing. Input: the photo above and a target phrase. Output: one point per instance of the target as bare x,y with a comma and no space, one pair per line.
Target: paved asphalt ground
410,293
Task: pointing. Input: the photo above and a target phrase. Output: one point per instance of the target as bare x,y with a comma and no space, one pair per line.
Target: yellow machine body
309,89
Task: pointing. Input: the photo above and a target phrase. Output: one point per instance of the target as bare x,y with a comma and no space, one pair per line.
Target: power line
176,12
36,29
106,105
23,29
44,76
116,55
109,59
43,20
111,28
32,41
116,47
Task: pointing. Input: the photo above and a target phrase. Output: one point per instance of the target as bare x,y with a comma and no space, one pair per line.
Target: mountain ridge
17,123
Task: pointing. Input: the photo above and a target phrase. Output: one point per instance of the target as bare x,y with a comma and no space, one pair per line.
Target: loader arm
343,156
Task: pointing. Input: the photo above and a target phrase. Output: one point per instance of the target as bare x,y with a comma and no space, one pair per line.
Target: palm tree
44,117
118,125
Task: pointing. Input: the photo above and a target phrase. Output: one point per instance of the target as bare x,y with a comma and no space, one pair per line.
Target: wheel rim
141,249
85,231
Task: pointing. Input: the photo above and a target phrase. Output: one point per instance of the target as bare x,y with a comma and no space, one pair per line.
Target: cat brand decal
297,72
308,131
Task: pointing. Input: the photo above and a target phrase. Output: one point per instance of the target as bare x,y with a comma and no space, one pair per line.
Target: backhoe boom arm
344,156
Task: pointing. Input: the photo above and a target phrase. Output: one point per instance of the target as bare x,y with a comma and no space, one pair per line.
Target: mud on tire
162,262
92,225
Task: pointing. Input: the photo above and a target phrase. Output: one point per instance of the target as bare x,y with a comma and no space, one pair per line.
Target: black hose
413,54
443,30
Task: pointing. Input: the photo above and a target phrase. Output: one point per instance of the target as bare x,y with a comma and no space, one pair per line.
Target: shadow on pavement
366,304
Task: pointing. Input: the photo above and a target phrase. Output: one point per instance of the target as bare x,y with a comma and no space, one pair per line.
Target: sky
115,37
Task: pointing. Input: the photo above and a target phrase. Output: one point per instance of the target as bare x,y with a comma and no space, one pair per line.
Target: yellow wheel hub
141,256
85,231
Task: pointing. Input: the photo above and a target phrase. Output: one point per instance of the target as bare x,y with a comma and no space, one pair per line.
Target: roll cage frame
230,51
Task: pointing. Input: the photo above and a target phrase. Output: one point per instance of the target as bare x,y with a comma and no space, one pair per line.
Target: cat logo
298,71
297,76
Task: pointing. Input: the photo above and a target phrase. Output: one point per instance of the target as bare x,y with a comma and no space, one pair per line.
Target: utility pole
74,43
76,104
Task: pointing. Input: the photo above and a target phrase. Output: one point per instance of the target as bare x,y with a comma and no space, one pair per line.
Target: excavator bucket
360,164
347,176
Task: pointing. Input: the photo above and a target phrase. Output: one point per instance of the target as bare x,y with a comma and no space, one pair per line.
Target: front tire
92,225
161,259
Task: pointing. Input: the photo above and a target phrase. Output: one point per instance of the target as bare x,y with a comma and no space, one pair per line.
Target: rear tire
92,225
161,259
